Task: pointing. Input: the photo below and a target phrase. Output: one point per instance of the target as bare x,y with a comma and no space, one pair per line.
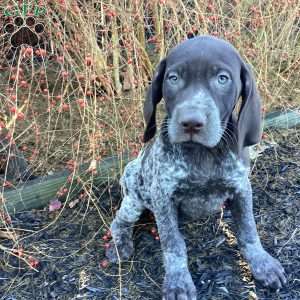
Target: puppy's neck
195,152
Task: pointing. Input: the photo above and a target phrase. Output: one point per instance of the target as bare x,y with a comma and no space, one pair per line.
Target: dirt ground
70,247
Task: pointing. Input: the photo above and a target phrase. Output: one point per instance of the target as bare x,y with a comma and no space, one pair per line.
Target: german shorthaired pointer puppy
198,160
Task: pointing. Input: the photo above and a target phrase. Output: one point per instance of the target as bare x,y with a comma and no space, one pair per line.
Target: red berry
106,245
66,107
80,77
41,52
88,61
80,101
19,251
13,109
76,8
64,74
33,262
20,116
104,263
23,84
153,230
60,59
28,51
105,238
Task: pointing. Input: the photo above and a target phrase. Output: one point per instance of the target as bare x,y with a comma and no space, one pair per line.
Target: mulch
69,244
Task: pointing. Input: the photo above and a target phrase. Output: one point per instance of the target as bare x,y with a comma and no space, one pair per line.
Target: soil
69,243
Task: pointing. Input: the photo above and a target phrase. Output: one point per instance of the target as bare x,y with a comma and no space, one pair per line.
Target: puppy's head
201,81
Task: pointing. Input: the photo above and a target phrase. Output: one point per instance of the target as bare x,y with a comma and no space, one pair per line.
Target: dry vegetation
77,96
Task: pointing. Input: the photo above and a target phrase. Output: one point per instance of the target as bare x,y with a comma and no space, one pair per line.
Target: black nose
191,125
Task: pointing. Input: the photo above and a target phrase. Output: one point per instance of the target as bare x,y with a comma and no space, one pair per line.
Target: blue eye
222,78
173,78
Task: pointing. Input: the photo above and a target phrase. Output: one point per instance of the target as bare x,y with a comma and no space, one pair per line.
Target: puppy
198,160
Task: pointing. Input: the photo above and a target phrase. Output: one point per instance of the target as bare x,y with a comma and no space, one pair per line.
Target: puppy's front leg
264,267
178,283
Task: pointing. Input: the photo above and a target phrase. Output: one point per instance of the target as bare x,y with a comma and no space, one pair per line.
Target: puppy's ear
249,119
154,95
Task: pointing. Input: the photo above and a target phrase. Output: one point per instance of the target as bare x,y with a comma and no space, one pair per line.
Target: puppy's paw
122,251
179,285
267,270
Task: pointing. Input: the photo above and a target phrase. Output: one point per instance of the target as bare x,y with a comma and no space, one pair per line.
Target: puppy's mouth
190,140
194,140
189,143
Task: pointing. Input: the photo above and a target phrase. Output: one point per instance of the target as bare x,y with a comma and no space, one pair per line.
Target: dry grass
79,96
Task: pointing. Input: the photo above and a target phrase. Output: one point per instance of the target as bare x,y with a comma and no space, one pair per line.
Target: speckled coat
193,180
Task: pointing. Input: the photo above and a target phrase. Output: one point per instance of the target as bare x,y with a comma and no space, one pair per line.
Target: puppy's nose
191,125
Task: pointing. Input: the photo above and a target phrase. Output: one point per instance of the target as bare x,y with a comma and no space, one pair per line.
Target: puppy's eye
173,78
223,79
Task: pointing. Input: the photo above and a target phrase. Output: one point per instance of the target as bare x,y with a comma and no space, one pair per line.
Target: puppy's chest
200,190
202,196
